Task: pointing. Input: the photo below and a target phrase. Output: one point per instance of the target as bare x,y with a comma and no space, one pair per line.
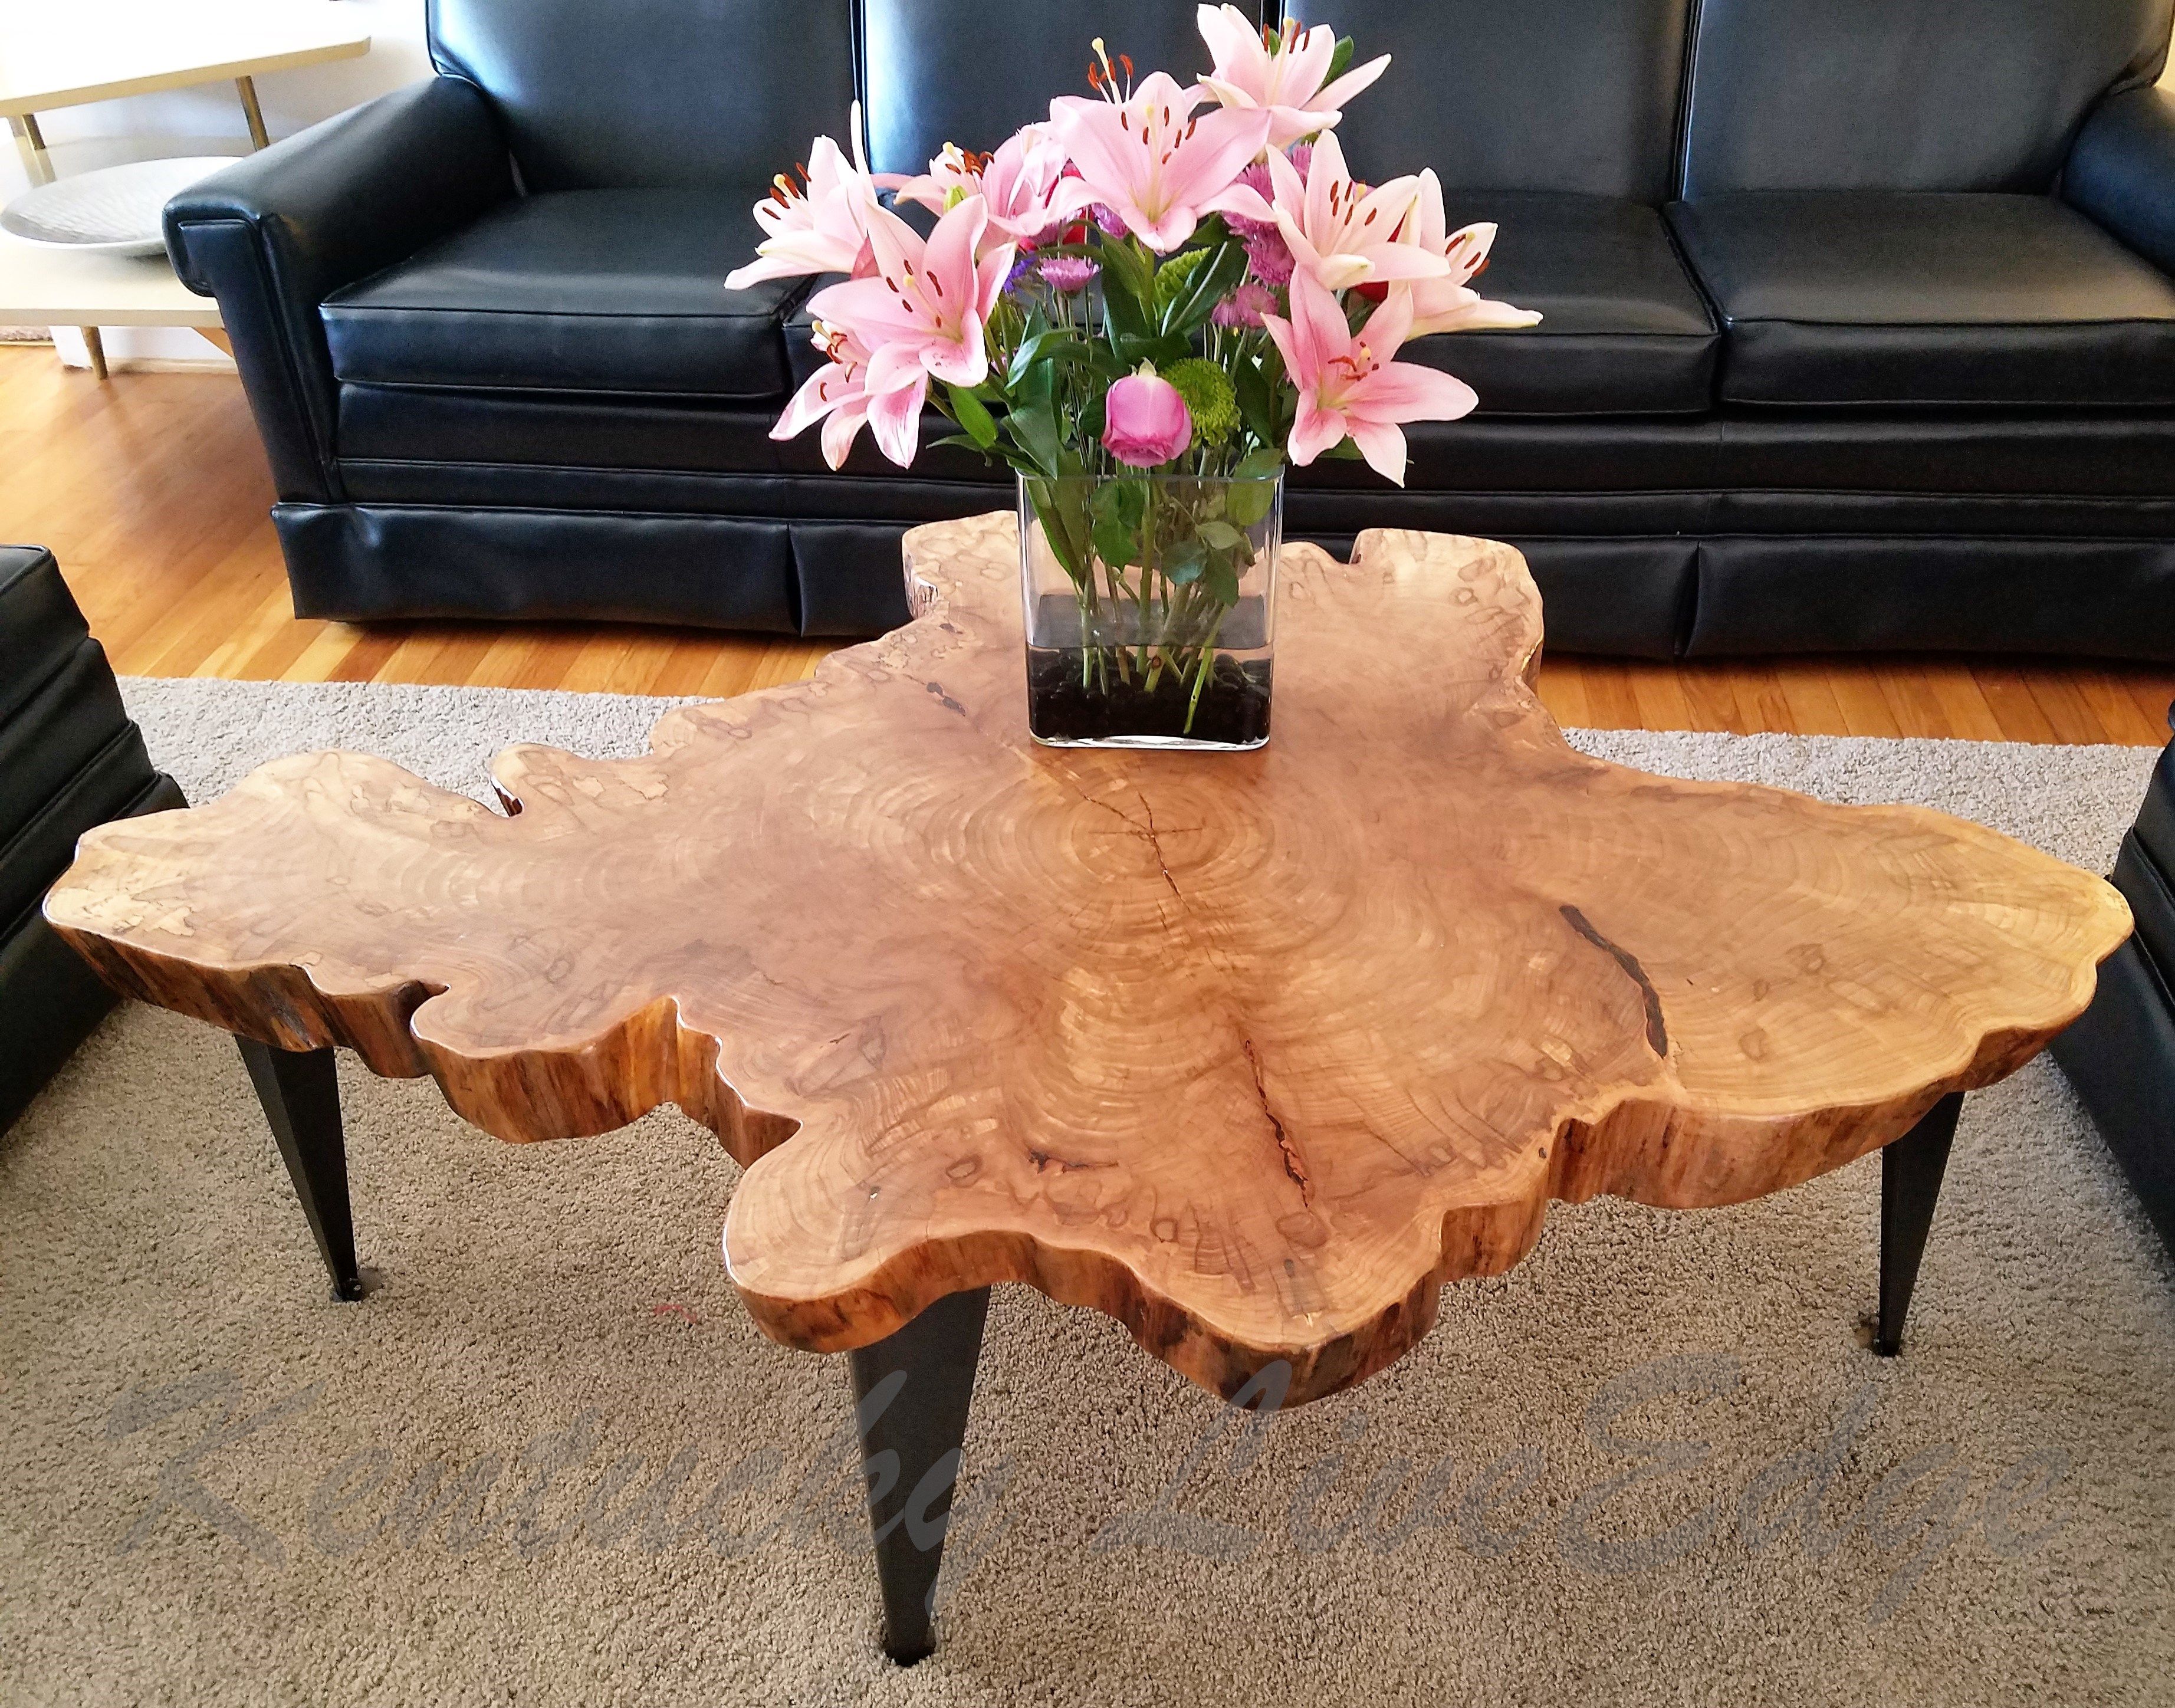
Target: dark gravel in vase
1234,709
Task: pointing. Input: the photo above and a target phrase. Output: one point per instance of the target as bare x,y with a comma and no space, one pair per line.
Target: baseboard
144,350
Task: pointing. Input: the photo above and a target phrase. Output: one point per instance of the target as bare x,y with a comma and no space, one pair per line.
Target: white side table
98,50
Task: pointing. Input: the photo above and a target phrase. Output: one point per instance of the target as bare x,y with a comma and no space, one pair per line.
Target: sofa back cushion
972,72
628,94
1540,94
1904,94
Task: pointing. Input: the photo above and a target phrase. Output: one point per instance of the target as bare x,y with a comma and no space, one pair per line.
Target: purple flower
1145,421
1245,305
1107,217
1021,263
1066,273
1255,178
1268,259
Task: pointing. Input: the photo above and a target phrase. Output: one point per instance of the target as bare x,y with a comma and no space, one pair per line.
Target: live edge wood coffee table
1252,1052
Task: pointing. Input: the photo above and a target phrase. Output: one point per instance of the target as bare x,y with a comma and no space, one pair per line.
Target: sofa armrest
2122,172
273,234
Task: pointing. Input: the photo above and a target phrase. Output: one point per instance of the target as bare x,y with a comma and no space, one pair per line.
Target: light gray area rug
549,1461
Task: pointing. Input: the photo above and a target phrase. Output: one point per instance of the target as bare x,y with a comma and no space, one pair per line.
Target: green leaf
1183,563
1220,581
1207,286
1123,501
1115,544
1064,521
1128,288
1034,429
1050,346
1130,266
1162,351
1222,534
1021,362
1340,61
1124,317
1119,507
1247,500
1257,406
1104,362
1036,386
969,410
1175,278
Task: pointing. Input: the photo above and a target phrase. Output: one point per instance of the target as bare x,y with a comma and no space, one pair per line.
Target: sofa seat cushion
1927,299
577,291
1624,330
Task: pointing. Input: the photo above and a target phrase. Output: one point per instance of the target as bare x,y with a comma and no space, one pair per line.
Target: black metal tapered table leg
300,1092
911,1395
1910,1170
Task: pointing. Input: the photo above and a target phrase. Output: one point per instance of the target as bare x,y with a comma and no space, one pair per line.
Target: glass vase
1150,606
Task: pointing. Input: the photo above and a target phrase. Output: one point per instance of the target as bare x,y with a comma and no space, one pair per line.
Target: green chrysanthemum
1206,389
1175,276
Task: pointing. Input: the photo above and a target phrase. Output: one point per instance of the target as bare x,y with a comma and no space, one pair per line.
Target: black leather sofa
1860,331
69,759
2121,1055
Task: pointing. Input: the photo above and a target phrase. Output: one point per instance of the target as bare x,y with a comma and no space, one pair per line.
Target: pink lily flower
1450,304
1342,234
836,395
1286,82
822,227
1019,182
1348,385
921,316
1155,165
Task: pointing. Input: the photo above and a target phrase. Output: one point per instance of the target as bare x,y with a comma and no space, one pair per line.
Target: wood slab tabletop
1253,1052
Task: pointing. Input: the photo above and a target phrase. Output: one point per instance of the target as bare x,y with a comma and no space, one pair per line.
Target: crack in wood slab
1658,1030
1294,1164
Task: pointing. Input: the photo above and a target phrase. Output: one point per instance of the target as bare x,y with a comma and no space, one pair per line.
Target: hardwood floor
152,491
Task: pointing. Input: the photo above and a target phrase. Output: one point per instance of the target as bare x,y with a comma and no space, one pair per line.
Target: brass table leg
31,145
246,88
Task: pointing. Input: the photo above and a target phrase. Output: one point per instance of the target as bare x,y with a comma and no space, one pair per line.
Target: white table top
63,53
49,284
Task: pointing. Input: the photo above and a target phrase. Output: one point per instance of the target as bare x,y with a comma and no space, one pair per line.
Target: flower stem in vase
1204,666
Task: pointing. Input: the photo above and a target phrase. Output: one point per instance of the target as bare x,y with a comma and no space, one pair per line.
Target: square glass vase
1150,609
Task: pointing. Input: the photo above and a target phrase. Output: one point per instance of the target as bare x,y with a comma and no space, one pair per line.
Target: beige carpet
216,1485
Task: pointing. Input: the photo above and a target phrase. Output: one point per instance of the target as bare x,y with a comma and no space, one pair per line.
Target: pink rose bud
1145,422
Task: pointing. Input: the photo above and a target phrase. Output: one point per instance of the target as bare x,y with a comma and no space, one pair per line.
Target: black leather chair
69,759
2121,1055
1859,327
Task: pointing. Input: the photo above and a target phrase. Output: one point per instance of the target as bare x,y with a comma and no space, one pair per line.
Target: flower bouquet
1146,306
